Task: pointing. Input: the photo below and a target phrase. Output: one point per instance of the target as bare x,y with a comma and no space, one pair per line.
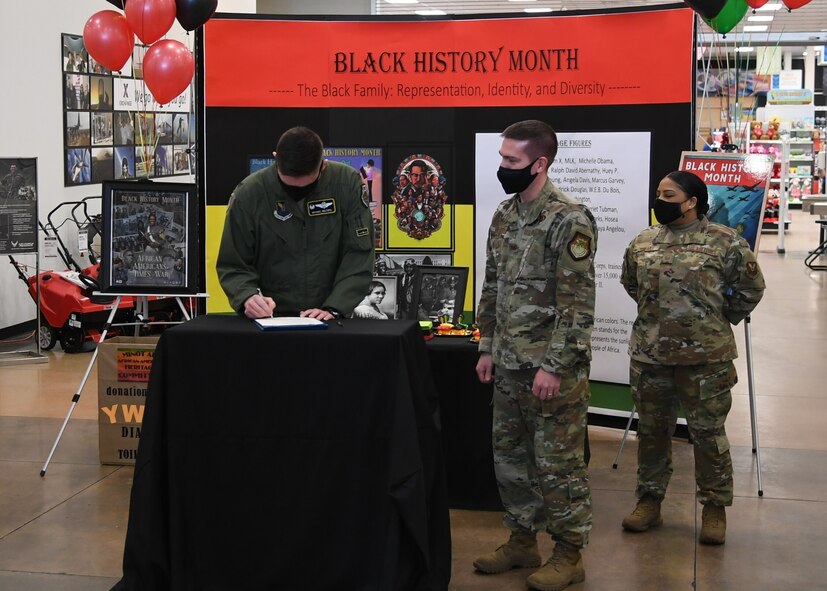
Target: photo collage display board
113,127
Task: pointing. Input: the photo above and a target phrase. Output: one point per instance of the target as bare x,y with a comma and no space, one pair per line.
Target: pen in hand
258,289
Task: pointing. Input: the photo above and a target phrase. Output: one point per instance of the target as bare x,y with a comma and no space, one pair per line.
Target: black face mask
298,193
667,212
516,180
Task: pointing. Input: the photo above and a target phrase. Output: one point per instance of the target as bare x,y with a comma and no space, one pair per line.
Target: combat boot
564,568
519,552
645,515
713,525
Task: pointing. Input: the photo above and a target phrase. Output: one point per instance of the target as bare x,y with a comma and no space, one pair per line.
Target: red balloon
168,69
793,4
756,4
108,39
150,19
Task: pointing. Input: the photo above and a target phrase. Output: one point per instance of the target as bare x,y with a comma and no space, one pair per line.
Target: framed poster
438,291
737,185
18,205
113,127
420,186
368,162
150,238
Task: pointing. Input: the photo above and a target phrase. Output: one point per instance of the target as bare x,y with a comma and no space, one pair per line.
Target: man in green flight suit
298,236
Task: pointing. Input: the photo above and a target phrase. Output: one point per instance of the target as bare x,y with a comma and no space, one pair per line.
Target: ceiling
804,26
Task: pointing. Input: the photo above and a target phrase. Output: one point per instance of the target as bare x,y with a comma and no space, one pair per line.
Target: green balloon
730,15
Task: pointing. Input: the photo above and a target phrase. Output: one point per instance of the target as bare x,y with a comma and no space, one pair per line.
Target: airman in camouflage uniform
535,315
691,279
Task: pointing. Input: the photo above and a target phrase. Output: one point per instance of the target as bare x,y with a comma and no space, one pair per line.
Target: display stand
24,356
141,305
753,412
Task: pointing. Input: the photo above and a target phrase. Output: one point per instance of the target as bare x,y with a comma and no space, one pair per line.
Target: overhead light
402,1
537,9
755,28
744,49
433,12
771,6
760,18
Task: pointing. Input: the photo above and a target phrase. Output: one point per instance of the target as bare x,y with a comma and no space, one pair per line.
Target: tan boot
519,552
713,525
564,568
645,515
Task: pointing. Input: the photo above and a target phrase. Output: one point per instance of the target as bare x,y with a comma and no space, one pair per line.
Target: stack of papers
289,323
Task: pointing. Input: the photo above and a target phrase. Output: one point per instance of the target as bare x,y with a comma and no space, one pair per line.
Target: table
466,413
289,460
466,416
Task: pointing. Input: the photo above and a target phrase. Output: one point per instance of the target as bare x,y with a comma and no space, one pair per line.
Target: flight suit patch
362,232
365,196
321,207
281,213
752,269
580,247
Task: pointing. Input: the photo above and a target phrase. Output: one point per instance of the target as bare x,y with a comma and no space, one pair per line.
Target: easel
141,308
752,411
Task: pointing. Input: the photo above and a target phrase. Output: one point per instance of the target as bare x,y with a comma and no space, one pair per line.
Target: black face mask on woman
516,180
667,212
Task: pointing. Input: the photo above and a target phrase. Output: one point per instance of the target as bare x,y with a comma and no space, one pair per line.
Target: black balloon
706,8
191,14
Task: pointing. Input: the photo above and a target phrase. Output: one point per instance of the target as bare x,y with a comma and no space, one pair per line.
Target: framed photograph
438,291
404,267
380,301
150,238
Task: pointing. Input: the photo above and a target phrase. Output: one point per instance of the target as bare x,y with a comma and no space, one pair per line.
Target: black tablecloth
466,412
289,460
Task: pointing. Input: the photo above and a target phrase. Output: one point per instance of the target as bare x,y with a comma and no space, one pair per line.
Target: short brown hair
541,138
299,151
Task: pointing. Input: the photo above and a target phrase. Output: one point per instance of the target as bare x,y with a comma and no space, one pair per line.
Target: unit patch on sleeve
362,231
580,247
321,207
752,269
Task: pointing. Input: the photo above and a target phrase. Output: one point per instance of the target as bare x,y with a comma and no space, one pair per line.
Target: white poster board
609,173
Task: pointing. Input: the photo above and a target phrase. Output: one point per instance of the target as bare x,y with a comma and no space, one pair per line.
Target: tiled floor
66,531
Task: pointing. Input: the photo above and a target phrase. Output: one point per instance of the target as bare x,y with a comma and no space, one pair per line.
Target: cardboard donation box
123,375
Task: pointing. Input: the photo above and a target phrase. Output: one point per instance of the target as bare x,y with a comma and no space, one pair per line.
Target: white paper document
289,322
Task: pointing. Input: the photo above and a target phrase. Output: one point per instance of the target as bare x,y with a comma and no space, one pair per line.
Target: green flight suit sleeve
357,249
744,281
576,244
236,255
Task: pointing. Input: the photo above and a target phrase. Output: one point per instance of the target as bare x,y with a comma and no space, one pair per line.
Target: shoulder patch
752,269
579,247
365,196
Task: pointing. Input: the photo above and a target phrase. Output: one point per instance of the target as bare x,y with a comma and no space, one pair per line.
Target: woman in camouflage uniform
691,279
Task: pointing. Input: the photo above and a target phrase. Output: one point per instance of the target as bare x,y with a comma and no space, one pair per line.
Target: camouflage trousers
704,393
538,455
